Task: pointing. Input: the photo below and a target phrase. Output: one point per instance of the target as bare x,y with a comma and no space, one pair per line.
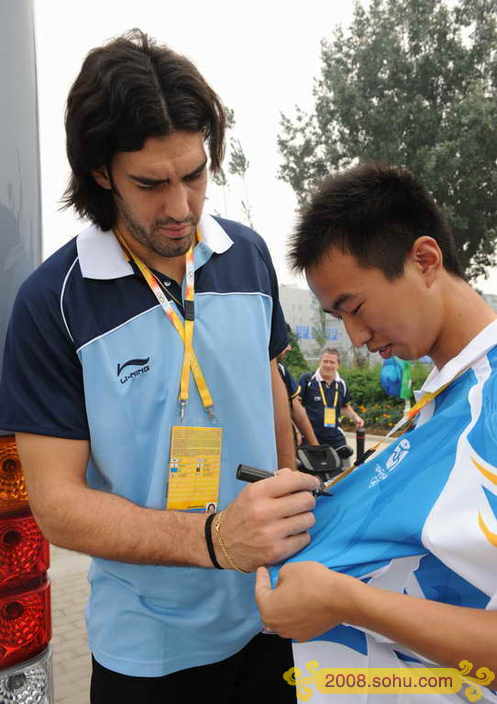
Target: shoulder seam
62,297
108,332
233,293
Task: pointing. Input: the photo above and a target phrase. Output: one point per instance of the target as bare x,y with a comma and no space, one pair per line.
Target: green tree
294,359
320,327
320,333
238,166
219,178
413,83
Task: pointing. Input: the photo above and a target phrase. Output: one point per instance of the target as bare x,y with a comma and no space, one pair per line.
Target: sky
260,57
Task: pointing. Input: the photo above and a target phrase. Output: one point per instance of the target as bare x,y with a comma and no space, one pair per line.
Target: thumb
262,585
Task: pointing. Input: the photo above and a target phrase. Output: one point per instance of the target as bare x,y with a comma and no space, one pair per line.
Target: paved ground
71,658
69,594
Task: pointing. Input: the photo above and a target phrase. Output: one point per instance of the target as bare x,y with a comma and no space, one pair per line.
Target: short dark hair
374,212
128,90
330,350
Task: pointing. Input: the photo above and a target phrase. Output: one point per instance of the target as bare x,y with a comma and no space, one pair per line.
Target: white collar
101,257
319,378
474,350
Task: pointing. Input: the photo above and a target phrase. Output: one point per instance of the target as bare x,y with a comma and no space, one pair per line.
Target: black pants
255,674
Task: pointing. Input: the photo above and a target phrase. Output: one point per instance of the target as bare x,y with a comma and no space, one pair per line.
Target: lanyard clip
182,409
210,413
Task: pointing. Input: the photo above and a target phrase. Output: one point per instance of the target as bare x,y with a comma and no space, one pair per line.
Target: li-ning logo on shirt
142,363
400,451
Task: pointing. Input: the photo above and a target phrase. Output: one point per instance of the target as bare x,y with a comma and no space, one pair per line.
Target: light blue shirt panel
153,636
378,513
483,436
198,609
131,422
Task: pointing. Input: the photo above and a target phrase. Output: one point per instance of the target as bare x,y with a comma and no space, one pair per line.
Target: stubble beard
153,240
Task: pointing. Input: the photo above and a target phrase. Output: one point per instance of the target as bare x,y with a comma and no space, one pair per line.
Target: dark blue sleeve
279,337
41,389
293,387
303,384
290,383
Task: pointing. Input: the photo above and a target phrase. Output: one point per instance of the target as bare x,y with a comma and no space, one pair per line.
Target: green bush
364,385
384,414
365,388
419,373
295,360
368,398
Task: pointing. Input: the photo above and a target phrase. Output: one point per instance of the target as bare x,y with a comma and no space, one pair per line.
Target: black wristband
208,540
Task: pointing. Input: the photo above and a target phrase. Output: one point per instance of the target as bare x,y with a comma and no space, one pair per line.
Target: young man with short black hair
408,541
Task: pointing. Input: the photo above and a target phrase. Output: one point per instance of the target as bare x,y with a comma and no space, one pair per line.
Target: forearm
266,523
285,444
99,523
301,420
443,633
109,526
350,413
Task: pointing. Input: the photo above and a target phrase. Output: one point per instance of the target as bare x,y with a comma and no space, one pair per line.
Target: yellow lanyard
184,330
324,398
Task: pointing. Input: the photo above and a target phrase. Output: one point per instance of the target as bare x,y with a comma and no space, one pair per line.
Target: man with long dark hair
140,369
402,568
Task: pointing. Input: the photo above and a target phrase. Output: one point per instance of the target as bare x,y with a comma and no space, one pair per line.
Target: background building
491,299
314,328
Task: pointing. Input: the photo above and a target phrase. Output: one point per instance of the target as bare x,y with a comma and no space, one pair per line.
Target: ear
427,257
101,176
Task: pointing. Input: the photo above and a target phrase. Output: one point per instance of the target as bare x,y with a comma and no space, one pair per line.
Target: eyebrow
146,181
338,303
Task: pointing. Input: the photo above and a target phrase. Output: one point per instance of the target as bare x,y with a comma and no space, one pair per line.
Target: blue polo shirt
336,395
91,355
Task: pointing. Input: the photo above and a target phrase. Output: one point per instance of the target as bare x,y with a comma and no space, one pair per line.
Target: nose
358,332
176,203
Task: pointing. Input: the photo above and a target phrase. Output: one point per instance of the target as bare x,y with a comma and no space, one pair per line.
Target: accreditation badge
194,468
330,417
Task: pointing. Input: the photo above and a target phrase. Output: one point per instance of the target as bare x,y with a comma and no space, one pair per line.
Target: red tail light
13,494
25,624
24,552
